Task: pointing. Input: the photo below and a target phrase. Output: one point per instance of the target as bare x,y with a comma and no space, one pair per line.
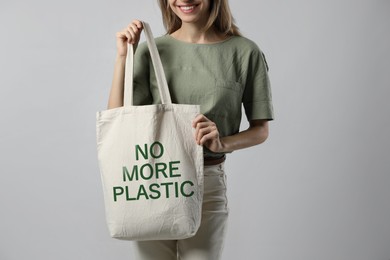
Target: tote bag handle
157,65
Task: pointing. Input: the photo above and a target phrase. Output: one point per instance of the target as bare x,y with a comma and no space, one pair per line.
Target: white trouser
208,242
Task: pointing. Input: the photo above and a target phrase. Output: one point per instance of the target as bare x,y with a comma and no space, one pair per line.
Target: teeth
187,8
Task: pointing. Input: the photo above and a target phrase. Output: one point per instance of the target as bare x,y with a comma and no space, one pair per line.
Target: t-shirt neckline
199,44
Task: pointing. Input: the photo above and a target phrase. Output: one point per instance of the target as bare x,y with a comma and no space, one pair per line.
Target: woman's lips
187,8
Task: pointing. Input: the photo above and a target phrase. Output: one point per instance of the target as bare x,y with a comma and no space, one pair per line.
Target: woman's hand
207,134
130,34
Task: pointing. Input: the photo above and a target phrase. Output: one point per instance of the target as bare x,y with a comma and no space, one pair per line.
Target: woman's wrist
224,147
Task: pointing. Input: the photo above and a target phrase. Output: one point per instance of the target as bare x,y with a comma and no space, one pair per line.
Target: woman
206,62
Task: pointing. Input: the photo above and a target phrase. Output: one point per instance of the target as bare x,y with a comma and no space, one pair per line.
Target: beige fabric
151,167
208,242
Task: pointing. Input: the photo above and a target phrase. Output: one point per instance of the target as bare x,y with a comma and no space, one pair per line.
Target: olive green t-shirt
219,77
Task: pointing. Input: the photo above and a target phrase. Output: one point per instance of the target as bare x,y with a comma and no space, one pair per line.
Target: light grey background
317,189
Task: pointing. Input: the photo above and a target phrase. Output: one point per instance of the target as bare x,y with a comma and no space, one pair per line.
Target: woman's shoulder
143,46
244,44
250,49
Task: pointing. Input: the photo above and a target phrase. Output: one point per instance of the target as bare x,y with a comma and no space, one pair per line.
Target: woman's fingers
132,32
200,127
206,133
131,36
199,118
137,27
127,35
204,129
138,23
211,136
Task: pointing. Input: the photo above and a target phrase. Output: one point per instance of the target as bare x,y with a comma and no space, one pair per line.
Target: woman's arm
207,134
117,86
130,34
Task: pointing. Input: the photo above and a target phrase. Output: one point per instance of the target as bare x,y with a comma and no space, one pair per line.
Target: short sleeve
142,94
257,97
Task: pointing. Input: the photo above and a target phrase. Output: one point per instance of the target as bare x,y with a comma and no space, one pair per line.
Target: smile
187,8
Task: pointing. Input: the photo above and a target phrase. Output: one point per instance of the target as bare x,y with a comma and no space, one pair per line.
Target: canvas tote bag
150,165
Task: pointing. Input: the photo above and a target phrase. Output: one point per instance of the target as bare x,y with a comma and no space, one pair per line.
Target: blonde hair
220,18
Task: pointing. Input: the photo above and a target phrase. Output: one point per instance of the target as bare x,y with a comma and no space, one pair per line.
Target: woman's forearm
117,86
256,134
207,134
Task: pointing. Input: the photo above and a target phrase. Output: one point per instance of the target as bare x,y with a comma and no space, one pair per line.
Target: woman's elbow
262,136
261,131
